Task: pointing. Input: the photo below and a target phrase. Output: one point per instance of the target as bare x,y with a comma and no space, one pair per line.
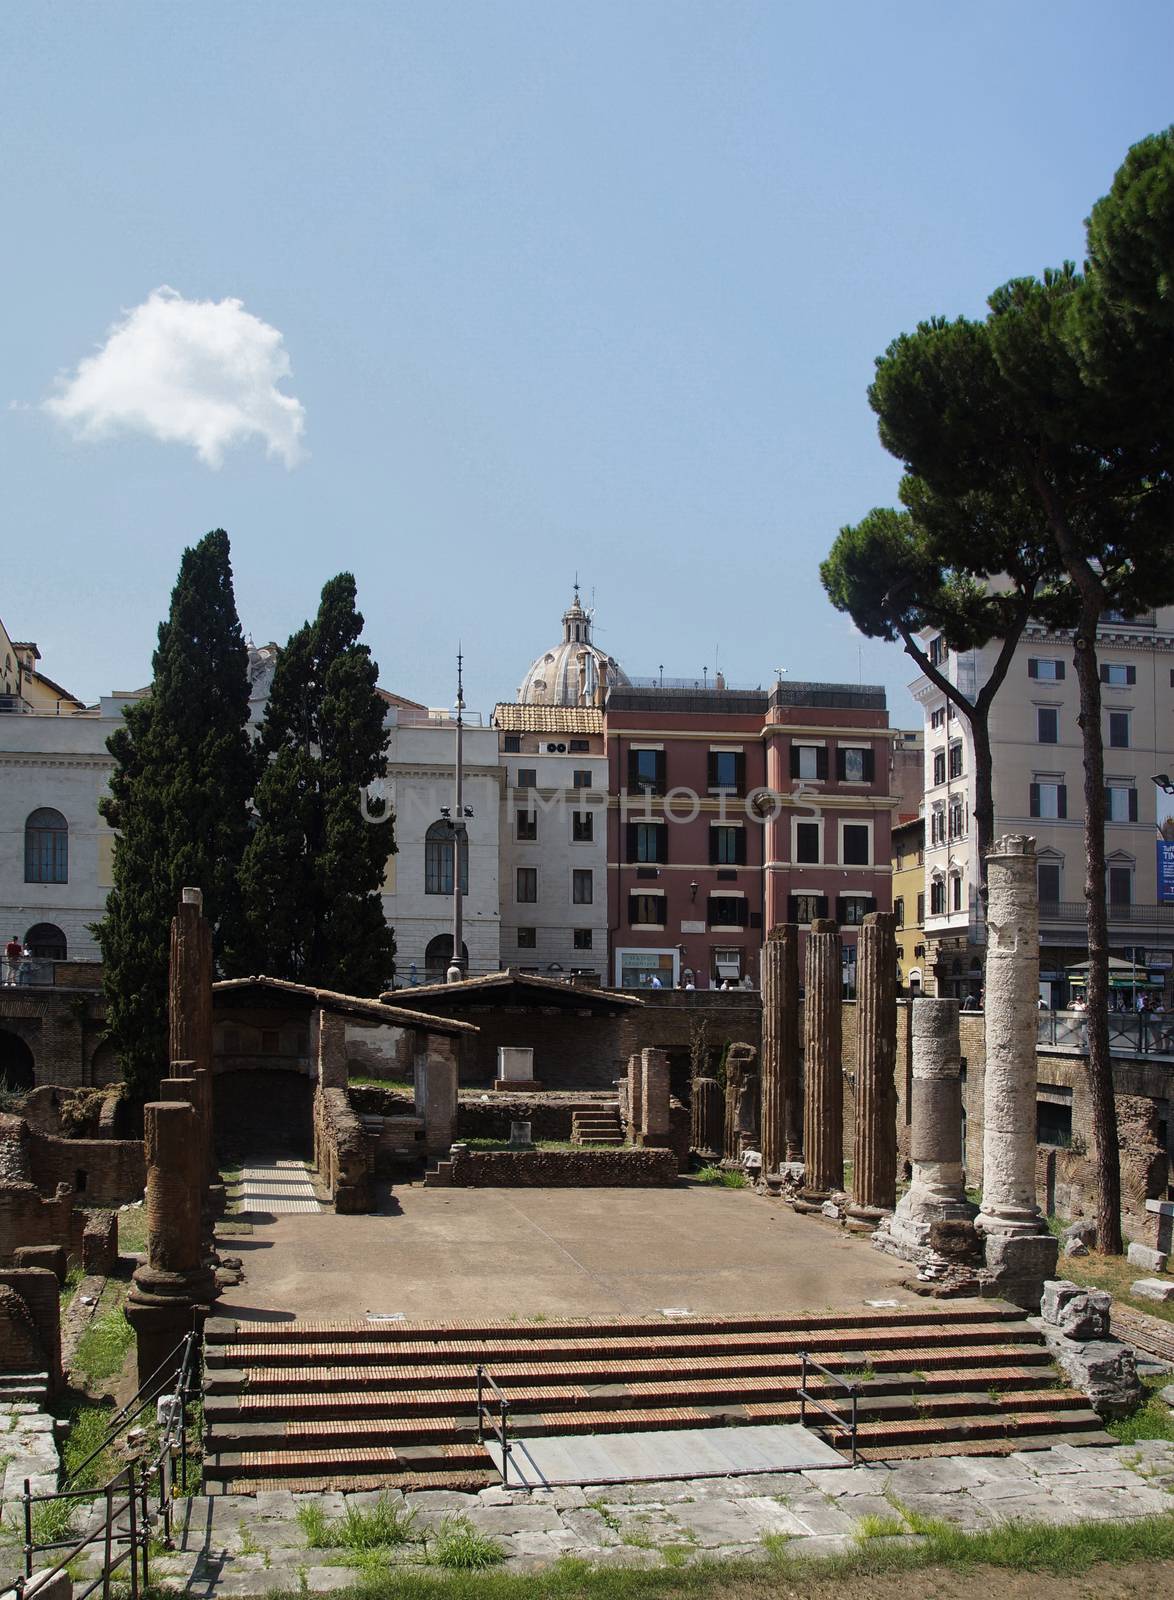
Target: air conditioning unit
551,748
562,749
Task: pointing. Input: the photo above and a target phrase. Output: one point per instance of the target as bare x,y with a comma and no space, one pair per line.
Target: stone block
50,1256
1018,1266
1076,1313
1149,1259
1084,1229
1153,1288
1075,1247
1103,1369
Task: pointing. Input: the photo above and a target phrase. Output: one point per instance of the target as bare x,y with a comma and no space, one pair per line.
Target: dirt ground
1154,1580
458,1253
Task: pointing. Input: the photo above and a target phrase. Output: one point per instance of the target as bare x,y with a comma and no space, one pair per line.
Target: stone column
189,997
782,1110
937,1192
874,1156
706,1135
823,1100
654,1097
171,1293
1020,1252
437,1098
635,1097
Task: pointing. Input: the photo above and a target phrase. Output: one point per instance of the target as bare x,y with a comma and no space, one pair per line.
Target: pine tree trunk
984,798
1107,1159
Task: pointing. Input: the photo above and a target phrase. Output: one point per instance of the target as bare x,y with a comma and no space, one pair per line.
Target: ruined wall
101,1172
342,1153
563,1169
64,1032
30,1323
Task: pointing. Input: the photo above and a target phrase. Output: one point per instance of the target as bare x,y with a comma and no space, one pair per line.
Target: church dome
576,672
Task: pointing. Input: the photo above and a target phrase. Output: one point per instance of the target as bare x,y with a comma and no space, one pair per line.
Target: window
527,885
899,911
955,760
648,841
855,764
1048,669
582,886
1049,800
727,846
1118,674
937,719
583,938
1120,803
527,938
920,909
581,778
851,909
956,892
270,1041
1047,877
1120,886
937,898
1119,730
579,747
1047,725
646,771
438,854
727,911
527,778
957,819
727,770
855,844
646,910
527,824
937,825
807,836
45,941
806,907
582,827
46,847
939,766
937,651
1053,1124
512,744
809,761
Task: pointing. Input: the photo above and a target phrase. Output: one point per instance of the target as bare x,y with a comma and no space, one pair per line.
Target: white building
1038,789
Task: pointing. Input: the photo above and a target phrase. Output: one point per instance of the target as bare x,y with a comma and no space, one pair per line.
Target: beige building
1038,789
909,903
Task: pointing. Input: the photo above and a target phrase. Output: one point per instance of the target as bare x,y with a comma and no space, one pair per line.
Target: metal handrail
806,1398
502,1427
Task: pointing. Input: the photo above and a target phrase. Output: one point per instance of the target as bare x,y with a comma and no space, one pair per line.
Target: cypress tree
314,867
178,799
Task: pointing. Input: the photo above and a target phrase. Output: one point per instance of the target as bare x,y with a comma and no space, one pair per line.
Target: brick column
189,990
874,1163
706,1134
654,1097
823,1100
172,1292
1020,1253
782,1111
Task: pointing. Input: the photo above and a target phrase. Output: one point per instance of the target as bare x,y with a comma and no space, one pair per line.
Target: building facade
908,836
1038,789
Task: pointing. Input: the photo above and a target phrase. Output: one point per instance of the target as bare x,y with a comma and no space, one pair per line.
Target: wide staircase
600,1125
361,1405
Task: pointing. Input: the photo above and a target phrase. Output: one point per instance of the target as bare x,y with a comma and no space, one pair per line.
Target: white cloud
198,372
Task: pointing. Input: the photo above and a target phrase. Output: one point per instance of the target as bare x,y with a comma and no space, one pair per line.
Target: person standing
13,952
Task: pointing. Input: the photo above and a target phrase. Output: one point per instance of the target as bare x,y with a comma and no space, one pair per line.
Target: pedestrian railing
1139,1033
840,1423
499,1425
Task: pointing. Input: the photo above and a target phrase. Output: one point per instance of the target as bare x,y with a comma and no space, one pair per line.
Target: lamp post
460,835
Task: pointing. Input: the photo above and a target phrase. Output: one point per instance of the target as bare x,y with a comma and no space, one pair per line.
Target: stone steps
361,1404
597,1126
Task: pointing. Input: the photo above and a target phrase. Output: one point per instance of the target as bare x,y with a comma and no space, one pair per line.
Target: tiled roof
469,988
513,718
356,1005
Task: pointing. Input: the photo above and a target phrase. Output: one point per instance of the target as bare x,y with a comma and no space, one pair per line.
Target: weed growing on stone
1152,1418
872,1526
103,1347
864,1374
721,1178
315,1525
377,1528
605,1511
775,1544
53,1521
249,1545
459,1546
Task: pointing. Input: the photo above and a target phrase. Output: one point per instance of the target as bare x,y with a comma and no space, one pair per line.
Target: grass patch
461,1548
722,1178
380,1527
53,1521
872,1526
392,1085
132,1230
536,1144
1117,1275
1151,1420
103,1347
88,1424
70,1287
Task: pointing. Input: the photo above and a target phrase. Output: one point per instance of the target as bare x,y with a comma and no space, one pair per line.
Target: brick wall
102,1172
564,1169
39,1295
26,1217
262,1109
64,1032
342,1154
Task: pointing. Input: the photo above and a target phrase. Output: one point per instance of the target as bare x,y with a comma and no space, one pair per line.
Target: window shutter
740,771
821,905
632,840
633,769
660,771
1032,667
1104,672
1131,674
1133,805
871,903
1059,670
1033,809
1108,803
792,908
841,765
740,847
1062,799
711,778
821,761
841,909
662,843
713,856
870,765
794,760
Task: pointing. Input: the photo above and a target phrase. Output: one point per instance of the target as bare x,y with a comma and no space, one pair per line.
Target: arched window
438,957
46,847
46,941
438,854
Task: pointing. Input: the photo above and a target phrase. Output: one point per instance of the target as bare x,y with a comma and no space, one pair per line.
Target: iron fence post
28,1531
480,1432
108,1534
131,1509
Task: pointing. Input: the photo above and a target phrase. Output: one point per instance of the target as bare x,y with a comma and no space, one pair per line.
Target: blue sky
560,287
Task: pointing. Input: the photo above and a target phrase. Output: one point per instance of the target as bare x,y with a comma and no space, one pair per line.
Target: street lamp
460,835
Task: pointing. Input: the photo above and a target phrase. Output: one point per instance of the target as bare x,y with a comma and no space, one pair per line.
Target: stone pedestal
823,1097
874,1164
706,1130
436,1072
171,1293
740,1130
782,1109
1020,1252
515,1069
189,995
937,1192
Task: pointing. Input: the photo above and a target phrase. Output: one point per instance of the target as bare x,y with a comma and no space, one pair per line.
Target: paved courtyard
457,1253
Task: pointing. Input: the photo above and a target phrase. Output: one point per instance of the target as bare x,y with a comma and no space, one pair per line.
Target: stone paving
28,1449
245,1545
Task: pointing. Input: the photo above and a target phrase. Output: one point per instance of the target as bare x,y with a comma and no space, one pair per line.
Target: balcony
1130,1033
1140,915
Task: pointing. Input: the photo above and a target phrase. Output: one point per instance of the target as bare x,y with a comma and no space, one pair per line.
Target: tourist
689,984
13,951
747,982
656,983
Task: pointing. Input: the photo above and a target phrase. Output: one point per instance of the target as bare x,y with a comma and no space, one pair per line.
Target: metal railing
500,1426
1139,913
137,1501
1136,1033
806,1398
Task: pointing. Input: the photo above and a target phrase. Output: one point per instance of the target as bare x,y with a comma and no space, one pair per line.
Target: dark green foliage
314,867
178,797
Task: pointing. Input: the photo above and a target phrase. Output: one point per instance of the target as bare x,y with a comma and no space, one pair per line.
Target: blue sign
1166,872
